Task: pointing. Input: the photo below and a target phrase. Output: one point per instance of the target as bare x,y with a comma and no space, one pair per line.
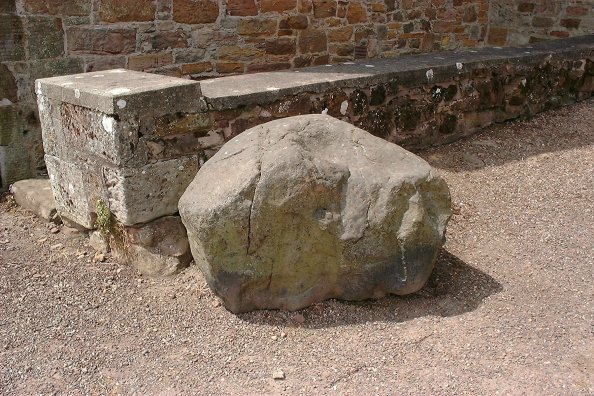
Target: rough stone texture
124,138
415,101
308,208
44,38
519,22
158,248
36,195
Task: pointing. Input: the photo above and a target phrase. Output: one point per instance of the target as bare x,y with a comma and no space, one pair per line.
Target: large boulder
307,208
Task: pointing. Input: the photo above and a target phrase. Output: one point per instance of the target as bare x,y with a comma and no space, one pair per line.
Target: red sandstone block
277,5
195,11
57,7
196,68
230,67
570,23
576,11
324,8
101,40
257,27
560,34
311,41
149,61
242,8
356,13
283,46
127,10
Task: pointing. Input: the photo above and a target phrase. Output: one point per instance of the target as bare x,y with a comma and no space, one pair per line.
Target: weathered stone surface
101,40
9,124
242,7
303,209
158,248
195,11
277,5
127,10
45,38
8,87
123,92
57,7
36,195
11,38
133,195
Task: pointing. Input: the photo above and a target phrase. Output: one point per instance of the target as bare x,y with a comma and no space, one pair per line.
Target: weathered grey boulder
308,208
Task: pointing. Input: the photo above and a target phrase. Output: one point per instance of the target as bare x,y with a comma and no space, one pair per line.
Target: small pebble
278,374
299,318
54,230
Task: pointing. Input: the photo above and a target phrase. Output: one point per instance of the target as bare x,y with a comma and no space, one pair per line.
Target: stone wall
206,38
122,146
518,22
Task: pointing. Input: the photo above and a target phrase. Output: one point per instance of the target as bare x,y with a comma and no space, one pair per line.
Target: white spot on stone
117,71
523,82
119,91
527,52
38,90
180,168
143,172
66,84
77,93
272,89
369,66
98,75
430,74
459,66
121,103
328,65
498,47
70,188
52,177
344,106
348,63
325,111
265,113
108,123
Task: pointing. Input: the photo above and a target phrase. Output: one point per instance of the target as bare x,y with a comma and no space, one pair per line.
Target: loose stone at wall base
157,248
307,208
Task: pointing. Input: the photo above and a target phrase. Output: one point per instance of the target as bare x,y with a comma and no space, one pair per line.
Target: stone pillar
120,148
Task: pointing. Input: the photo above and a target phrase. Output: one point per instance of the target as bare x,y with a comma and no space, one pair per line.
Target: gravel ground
508,310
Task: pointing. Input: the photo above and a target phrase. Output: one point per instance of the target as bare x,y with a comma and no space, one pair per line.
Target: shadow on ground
454,288
499,144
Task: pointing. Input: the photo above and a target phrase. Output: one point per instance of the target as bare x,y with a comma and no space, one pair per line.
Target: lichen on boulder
307,208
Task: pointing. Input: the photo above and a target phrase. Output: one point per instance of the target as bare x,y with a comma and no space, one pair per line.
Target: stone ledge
121,92
261,88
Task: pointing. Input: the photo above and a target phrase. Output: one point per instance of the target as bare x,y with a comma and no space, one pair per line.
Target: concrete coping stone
121,91
260,88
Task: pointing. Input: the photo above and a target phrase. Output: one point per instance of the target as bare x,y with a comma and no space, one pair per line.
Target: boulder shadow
552,131
454,288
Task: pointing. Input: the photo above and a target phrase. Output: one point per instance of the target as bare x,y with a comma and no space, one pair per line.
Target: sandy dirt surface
508,310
